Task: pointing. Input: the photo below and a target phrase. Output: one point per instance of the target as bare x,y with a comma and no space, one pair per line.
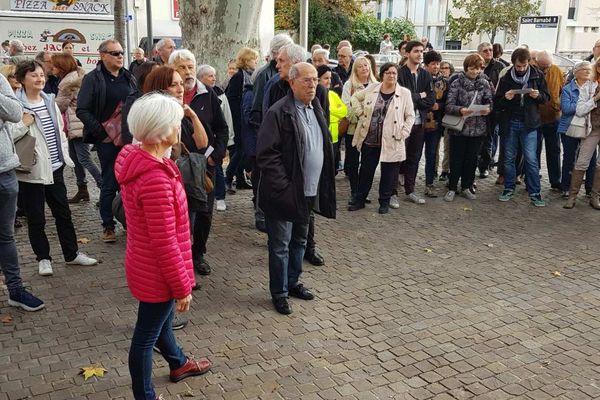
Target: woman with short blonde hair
246,58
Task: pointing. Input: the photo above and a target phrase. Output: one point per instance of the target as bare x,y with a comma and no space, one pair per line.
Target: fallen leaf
428,250
490,245
88,372
7,319
188,393
84,240
467,209
556,273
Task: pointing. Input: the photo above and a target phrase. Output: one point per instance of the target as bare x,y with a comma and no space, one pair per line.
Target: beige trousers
587,147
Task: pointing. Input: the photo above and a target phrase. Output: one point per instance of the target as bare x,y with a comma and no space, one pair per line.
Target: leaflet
478,108
522,91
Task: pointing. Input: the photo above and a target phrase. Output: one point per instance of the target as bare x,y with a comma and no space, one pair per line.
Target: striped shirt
49,133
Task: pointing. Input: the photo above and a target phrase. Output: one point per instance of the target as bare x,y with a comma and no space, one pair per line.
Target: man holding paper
520,92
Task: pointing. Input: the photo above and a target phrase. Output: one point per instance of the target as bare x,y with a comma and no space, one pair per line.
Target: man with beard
520,93
205,103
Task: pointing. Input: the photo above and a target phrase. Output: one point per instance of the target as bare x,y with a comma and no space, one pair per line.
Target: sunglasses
115,53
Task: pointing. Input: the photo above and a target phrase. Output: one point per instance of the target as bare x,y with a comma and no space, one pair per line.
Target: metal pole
127,32
149,28
304,24
446,24
425,12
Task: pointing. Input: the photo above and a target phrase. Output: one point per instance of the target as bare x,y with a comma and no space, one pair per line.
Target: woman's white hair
182,55
205,69
153,116
278,41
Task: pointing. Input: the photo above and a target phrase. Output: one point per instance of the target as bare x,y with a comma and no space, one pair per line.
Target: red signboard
175,10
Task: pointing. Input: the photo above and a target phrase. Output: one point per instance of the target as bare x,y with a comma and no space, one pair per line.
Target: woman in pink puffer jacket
158,258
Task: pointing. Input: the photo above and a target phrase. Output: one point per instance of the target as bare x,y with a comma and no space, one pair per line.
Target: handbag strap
474,98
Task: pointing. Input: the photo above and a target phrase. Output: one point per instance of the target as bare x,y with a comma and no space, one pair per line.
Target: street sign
539,33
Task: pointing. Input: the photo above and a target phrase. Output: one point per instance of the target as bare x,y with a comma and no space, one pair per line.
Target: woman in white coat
386,116
44,183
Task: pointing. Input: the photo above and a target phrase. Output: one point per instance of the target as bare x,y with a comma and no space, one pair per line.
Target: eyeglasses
115,53
444,67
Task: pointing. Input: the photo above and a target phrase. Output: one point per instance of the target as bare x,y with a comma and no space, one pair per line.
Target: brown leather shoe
109,236
500,180
190,368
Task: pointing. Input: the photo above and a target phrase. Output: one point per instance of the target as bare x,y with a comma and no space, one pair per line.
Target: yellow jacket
337,111
550,111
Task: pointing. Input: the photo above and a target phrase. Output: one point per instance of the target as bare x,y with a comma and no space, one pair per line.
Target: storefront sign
102,7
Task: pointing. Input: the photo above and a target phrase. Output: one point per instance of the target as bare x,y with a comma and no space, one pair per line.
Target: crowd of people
172,140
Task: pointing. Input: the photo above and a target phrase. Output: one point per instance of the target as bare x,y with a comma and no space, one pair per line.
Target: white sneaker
394,203
82,259
450,195
45,268
416,199
221,206
469,194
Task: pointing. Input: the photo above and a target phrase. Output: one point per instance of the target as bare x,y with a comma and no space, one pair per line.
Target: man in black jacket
418,81
492,70
207,106
279,87
295,156
517,98
103,92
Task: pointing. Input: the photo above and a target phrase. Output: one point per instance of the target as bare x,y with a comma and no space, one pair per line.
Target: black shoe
197,286
301,292
282,306
242,185
202,267
260,225
356,206
443,177
384,209
367,201
314,258
484,174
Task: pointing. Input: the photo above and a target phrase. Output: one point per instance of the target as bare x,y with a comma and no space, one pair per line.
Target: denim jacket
568,104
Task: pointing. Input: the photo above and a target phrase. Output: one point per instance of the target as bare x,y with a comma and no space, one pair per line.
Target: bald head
303,81
544,59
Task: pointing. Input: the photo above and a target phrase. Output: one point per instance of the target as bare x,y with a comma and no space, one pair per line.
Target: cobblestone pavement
441,301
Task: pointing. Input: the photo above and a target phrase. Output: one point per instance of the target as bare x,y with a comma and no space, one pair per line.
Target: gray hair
39,57
18,45
545,54
295,69
205,69
294,52
138,49
581,65
280,40
162,43
153,116
321,52
104,45
182,55
483,45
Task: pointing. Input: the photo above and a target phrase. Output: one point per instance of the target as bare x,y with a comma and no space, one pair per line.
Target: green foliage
489,17
326,25
367,31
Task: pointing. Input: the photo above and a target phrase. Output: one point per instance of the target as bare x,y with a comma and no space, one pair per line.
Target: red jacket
158,258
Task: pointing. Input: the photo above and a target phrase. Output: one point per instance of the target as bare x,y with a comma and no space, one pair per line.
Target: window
390,8
572,9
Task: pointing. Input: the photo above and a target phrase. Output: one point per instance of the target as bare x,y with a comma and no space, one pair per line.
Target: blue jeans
568,162
80,154
153,327
518,133
107,153
549,135
287,243
219,182
9,261
432,142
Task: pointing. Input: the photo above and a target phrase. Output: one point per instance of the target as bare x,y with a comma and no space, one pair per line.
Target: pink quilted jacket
158,258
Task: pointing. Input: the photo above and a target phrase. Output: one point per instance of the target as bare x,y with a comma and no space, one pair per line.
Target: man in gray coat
11,111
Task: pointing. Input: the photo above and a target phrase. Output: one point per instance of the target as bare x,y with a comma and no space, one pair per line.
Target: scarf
521,80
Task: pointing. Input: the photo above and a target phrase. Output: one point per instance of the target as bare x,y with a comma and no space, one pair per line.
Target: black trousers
414,150
202,222
389,175
463,160
351,162
33,196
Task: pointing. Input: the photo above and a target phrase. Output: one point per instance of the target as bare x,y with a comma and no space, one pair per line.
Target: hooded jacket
11,110
66,100
158,256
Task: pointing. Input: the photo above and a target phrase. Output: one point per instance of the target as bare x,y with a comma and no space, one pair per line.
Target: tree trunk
214,30
119,15
492,36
